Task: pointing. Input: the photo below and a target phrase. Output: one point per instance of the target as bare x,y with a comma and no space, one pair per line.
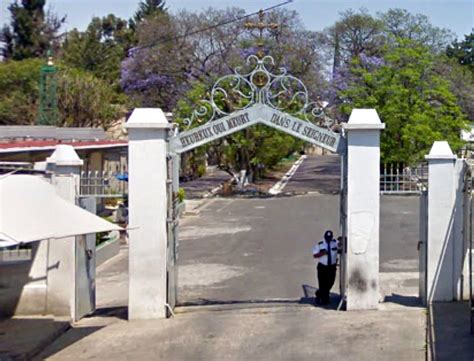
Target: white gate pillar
61,276
363,209
147,151
441,223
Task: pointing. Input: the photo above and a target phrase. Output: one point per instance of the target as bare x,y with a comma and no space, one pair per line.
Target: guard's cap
328,234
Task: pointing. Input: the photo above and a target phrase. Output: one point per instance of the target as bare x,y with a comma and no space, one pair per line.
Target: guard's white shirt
323,245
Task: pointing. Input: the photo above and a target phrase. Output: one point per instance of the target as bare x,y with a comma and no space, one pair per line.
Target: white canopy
31,210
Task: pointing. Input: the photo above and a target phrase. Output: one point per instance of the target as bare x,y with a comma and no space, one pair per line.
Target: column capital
147,118
364,119
440,151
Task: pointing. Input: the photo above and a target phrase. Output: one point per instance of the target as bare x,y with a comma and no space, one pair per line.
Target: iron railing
395,178
103,184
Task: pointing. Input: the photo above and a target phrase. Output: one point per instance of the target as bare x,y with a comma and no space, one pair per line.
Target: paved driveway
260,249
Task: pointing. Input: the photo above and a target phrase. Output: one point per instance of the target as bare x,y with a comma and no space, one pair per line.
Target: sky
457,15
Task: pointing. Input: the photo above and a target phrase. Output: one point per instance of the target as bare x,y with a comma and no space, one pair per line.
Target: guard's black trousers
326,278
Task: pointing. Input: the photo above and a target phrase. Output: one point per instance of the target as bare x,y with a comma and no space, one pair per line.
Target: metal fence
395,178
103,184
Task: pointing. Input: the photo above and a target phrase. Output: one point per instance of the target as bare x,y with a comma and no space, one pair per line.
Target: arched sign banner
255,114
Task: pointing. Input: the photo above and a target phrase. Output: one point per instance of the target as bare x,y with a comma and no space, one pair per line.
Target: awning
31,210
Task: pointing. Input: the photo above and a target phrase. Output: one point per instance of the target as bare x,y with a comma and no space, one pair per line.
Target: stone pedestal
148,132
363,209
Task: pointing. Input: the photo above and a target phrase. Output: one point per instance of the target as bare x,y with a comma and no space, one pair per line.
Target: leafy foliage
356,33
415,102
83,99
19,91
463,51
32,32
100,48
147,9
461,83
399,23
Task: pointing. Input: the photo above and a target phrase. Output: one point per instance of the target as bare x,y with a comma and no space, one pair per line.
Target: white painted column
60,266
363,209
147,133
460,247
441,220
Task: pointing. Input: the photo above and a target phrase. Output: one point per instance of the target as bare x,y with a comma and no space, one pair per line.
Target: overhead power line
222,23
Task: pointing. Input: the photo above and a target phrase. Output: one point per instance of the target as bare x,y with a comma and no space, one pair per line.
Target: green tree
83,99
147,9
19,91
463,51
461,79
399,23
359,34
32,31
100,48
414,102
354,33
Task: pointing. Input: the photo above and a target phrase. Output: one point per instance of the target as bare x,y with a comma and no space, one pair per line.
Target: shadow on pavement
22,338
78,332
310,298
72,336
213,302
449,334
307,299
408,301
120,312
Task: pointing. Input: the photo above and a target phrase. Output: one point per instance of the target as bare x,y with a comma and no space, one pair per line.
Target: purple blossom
340,78
134,78
371,62
245,53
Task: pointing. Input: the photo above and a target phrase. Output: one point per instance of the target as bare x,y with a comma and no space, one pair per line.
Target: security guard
326,250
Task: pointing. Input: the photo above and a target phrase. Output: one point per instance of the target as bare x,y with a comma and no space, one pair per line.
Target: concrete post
460,244
148,146
441,220
60,266
363,209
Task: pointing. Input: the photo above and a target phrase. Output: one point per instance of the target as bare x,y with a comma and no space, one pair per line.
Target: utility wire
222,23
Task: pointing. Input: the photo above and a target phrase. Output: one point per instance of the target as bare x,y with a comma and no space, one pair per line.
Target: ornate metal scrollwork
238,91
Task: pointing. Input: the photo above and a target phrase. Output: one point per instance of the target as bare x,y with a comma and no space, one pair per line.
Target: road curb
213,191
281,184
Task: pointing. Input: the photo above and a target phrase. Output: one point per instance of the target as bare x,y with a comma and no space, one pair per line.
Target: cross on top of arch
260,26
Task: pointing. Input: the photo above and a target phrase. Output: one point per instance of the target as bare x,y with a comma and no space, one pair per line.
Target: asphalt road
252,249
197,188
240,250
316,174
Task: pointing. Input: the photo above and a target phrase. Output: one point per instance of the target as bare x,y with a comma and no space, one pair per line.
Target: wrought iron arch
238,91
